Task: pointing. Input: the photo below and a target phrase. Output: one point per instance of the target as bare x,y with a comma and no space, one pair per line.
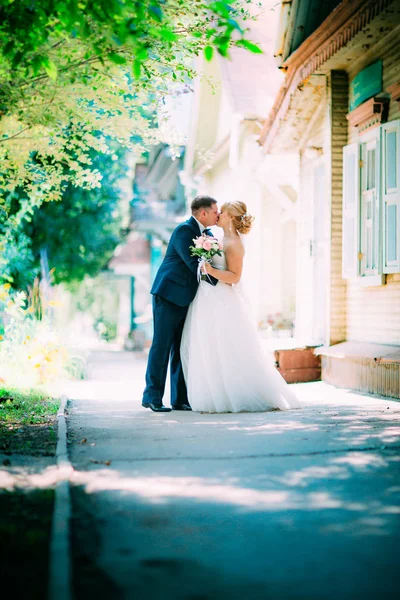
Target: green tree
78,66
79,233
19,266
75,74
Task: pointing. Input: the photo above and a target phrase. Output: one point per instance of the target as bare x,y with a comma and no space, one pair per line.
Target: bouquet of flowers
205,247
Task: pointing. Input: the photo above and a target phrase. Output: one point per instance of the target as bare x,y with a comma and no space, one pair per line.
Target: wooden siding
373,313
362,374
387,49
338,100
318,134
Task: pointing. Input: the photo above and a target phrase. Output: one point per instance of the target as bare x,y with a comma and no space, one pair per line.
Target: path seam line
243,456
59,585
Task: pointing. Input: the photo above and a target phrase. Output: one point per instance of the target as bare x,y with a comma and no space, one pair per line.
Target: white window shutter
391,196
370,202
351,211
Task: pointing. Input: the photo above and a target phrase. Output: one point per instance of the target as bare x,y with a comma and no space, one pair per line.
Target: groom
174,288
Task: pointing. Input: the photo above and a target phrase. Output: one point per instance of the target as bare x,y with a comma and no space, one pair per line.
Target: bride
224,364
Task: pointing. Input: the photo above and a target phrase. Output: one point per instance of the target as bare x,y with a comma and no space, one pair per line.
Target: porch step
361,366
298,365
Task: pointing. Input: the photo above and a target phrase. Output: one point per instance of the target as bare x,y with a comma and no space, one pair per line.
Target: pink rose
198,242
207,245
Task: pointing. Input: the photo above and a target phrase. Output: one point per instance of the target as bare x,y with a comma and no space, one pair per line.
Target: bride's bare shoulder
234,246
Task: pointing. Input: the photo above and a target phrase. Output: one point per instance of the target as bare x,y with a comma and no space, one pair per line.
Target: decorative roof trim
369,114
341,26
338,29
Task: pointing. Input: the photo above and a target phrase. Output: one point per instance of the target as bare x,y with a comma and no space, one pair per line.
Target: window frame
370,139
383,199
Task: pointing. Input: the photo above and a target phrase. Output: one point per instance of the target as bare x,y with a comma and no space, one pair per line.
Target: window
391,196
369,256
371,204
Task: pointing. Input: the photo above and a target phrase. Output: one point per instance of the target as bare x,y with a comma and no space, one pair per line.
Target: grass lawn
28,422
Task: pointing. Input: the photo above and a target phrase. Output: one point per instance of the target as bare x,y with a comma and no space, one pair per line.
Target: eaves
347,20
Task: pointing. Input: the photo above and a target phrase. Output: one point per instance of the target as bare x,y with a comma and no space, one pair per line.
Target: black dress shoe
156,407
182,407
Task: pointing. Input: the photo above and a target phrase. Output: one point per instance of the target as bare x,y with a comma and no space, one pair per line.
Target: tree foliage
79,233
75,74
82,66
18,266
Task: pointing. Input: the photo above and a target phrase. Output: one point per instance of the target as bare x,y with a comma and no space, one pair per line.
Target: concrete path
301,504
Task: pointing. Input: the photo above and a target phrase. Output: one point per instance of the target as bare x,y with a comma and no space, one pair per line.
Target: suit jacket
176,279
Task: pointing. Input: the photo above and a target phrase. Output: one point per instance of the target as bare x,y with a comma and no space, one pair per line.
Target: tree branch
90,60
5,139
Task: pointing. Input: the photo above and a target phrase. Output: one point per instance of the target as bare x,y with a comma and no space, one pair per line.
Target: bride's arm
233,274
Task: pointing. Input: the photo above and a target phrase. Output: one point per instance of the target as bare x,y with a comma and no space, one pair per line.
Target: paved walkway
285,505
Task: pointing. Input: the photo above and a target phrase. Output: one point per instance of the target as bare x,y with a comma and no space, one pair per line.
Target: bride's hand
207,268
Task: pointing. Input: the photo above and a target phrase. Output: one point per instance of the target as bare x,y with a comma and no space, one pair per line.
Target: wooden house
339,108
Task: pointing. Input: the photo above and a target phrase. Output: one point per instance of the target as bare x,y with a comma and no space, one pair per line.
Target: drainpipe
283,31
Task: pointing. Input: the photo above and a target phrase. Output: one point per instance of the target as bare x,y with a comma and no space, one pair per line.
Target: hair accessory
244,216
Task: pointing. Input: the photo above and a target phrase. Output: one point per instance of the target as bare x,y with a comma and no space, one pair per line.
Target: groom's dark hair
202,202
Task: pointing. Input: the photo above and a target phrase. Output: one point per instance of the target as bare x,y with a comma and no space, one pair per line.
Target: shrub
31,352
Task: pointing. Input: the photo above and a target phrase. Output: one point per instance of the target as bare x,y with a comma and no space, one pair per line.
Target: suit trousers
168,320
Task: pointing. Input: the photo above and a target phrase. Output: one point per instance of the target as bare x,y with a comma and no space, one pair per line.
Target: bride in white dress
224,363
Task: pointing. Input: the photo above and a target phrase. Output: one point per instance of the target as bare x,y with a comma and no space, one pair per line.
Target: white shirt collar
202,228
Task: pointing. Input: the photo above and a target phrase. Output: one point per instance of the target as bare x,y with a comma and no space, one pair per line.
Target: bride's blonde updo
241,220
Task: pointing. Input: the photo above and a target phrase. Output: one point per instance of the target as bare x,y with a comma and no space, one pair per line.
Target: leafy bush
30,351
106,329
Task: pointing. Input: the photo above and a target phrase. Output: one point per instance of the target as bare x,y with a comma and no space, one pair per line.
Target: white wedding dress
224,363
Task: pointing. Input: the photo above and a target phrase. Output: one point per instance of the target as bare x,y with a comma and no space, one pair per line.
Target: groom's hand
211,280
207,269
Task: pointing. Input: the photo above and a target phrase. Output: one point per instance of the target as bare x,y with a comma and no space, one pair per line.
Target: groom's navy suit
174,288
